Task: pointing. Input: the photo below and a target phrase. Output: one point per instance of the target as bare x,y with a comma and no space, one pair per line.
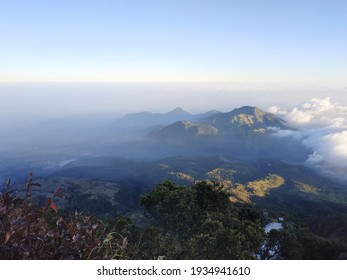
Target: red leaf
7,236
51,205
54,207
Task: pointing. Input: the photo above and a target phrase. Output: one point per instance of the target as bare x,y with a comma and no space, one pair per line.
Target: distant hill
148,119
186,130
144,121
242,133
247,118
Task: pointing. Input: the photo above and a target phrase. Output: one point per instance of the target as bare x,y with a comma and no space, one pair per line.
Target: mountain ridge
185,128
243,120
246,116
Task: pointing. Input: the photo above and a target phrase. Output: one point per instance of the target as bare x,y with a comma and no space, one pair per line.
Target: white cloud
277,110
321,127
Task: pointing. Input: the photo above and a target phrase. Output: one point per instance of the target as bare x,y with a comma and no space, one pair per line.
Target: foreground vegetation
195,222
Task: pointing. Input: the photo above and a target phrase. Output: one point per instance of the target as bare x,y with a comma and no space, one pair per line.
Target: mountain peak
248,117
250,110
177,110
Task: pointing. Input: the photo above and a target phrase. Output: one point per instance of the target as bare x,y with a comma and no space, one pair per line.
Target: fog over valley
46,127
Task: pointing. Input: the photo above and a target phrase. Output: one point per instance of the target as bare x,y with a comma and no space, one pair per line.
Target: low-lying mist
316,135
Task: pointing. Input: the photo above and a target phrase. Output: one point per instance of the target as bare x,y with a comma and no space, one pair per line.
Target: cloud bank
321,127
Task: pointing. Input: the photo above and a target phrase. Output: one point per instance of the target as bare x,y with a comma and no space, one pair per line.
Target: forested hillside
179,222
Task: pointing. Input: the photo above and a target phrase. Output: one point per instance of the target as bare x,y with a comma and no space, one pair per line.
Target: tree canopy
201,222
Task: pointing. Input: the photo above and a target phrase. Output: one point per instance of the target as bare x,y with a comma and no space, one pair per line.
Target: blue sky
245,41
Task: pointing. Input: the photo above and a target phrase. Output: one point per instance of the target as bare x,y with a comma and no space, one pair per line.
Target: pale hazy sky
68,99
247,41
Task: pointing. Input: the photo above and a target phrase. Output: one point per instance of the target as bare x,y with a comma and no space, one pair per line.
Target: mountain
238,122
242,133
247,118
186,130
145,120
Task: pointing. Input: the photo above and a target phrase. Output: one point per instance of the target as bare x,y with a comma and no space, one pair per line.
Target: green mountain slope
247,117
185,130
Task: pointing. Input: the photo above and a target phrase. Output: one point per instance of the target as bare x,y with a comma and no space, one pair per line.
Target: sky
63,100
61,58
290,42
